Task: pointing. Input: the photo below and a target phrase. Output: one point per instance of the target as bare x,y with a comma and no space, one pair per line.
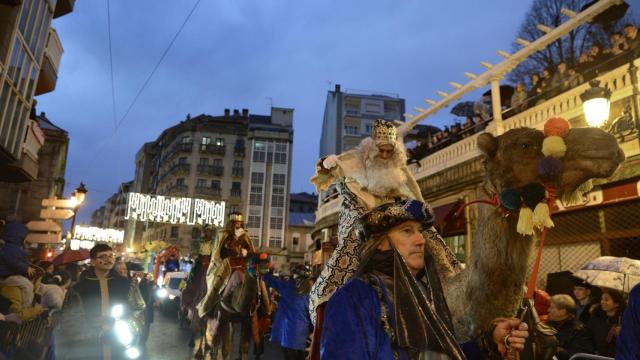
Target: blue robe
291,322
353,328
628,343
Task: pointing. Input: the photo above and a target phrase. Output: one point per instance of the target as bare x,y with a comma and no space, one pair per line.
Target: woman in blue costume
394,308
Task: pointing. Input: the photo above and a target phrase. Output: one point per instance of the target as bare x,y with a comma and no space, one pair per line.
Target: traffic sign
57,214
60,203
40,225
40,238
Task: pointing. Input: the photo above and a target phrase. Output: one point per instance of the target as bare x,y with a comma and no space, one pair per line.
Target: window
275,242
182,160
233,209
295,240
206,140
257,178
219,141
276,223
186,139
174,231
201,183
235,185
373,108
278,179
215,184
280,155
180,182
237,164
204,161
253,222
368,128
217,162
255,195
350,130
259,151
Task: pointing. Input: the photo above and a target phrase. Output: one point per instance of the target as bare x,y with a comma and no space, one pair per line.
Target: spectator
121,268
483,107
518,98
618,44
604,325
481,123
558,79
14,294
534,93
572,336
628,346
74,270
584,63
468,126
48,267
632,38
53,290
14,267
455,132
545,82
585,302
573,80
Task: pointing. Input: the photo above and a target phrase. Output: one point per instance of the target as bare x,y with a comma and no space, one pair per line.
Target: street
168,342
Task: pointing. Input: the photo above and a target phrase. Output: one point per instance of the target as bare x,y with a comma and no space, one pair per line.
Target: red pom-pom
263,256
556,126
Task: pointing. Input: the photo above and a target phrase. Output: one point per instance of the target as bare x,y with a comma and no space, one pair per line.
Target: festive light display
174,210
85,237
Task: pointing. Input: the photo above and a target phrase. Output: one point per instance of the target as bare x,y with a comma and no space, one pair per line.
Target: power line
164,54
113,88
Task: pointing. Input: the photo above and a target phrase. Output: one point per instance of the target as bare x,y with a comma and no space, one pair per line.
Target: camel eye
524,146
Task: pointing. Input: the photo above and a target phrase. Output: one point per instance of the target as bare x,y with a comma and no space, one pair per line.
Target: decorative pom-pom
554,146
510,199
541,216
532,194
525,221
264,256
550,169
556,126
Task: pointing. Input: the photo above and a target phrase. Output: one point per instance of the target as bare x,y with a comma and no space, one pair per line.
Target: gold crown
384,131
235,217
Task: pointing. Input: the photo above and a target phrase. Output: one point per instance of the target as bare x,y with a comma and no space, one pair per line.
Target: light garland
174,210
98,234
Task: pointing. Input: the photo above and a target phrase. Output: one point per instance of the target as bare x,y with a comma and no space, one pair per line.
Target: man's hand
510,334
330,162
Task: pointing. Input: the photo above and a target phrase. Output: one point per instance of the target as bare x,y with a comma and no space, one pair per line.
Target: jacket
291,322
572,338
14,294
599,328
13,256
628,345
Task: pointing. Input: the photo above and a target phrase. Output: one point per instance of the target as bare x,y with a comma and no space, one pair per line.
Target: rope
533,279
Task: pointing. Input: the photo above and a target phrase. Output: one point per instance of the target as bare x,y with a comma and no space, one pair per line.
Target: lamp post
596,104
79,194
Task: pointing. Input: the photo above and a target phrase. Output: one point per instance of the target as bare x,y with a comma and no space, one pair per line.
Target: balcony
208,191
211,170
239,151
63,7
212,149
50,64
237,172
566,104
26,167
236,193
179,190
177,149
328,208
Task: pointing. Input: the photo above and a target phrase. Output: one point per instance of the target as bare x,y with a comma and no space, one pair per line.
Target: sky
251,54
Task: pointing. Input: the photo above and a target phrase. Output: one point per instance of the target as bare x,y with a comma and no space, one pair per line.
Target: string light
174,210
98,234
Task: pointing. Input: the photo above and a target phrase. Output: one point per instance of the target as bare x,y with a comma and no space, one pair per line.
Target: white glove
330,162
244,252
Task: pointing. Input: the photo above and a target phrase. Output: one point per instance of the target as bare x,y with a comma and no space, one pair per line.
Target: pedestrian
14,267
628,345
291,324
604,325
394,307
147,290
121,269
572,335
585,302
87,324
53,290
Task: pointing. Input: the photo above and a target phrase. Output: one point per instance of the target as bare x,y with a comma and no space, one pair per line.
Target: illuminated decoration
86,237
174,210
596,104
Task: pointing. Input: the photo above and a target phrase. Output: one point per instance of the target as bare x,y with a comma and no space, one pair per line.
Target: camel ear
488,144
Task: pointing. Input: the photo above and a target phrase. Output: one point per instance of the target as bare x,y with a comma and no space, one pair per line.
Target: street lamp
79,194
595,104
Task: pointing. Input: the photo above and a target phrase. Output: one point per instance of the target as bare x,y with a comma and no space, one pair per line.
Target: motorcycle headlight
117,311
132,353
171,296
162,293
123,332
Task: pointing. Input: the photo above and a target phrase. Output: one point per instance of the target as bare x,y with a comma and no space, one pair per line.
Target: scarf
422,318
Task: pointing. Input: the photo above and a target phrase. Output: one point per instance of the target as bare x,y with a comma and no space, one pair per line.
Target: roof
46,124
304,197
301,219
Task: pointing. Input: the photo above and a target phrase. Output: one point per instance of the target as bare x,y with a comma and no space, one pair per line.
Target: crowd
550,82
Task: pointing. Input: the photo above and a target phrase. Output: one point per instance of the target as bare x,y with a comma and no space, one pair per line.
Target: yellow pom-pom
525,221
554,146
541,216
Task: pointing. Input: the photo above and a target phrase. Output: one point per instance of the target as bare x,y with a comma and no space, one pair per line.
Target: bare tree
567,48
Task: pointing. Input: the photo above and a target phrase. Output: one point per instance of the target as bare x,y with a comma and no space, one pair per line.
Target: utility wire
113,87
164,54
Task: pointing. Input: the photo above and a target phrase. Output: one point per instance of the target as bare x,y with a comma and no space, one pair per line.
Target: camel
491,285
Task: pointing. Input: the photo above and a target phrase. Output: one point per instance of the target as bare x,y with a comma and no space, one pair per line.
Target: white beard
385,179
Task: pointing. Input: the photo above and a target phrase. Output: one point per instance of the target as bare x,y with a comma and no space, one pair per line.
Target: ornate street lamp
79,195
595,104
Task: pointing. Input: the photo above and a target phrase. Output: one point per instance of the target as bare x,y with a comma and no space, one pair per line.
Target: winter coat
291,322
51,296
572,338
14,295
628,345
13,256
599,328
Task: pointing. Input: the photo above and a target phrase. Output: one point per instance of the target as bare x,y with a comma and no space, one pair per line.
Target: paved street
168,342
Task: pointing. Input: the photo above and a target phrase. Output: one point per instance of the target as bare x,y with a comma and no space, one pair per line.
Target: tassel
525,221
575,197
541,216
586,186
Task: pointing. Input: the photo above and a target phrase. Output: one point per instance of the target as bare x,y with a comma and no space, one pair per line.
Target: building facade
297,240
240,158
111,214
30,53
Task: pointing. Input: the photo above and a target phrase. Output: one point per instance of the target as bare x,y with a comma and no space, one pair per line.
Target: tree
568,47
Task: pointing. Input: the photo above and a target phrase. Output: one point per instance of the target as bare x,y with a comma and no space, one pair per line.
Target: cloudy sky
247,54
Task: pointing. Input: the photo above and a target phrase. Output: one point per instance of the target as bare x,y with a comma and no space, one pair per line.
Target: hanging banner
86,237
174,210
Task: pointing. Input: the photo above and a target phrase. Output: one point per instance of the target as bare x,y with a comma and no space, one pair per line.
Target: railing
210,170
329,208
29,337
239,151
236,193
239,172
179,190
54,50
207,191
212,149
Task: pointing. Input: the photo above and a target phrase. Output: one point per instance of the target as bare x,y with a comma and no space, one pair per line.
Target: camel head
512,158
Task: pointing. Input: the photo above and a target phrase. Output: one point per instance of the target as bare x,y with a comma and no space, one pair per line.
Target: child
13,261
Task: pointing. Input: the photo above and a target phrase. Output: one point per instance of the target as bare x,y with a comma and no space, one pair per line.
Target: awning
447,223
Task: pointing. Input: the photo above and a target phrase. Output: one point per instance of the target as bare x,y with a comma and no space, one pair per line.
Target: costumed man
394,308
225,274
196,284
291,324
372,174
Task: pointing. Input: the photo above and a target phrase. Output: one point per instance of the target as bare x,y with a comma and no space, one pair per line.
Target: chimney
236,113
226,112
245,113
337,88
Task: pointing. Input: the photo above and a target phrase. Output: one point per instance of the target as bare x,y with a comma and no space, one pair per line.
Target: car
170,292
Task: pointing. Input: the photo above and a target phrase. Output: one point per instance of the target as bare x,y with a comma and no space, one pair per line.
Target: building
302,207
240,158
30,53
111,214
349,116
24,199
